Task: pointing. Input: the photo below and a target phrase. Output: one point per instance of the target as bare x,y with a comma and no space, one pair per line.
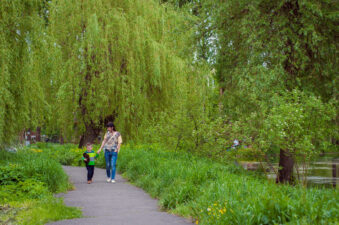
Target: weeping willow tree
122,61
22,95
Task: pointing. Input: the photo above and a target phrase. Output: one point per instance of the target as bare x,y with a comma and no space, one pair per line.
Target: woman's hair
110,124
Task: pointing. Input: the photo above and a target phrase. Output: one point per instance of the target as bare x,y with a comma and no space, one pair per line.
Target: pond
319,173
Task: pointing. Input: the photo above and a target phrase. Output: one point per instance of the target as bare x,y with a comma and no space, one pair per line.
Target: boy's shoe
88,182
113,181
108,180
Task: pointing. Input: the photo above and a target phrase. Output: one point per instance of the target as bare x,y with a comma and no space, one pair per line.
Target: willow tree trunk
38,134
61,140
90,135
286,164
286,161
22,137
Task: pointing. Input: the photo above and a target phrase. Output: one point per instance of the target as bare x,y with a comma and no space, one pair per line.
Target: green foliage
28,180
120,62
299,123
27,189
113,60
213,193
219,194
68,154
22,101
297,53
192,75
291,42
275,65
260,50
32,212
16,167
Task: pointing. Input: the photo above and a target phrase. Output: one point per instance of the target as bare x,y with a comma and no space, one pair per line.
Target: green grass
209,192
34,212
49,209
212,193
28,180
67,154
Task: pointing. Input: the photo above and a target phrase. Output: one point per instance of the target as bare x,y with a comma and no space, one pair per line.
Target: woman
111,143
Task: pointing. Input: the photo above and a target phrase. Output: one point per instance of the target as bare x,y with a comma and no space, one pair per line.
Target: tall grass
67,154
27,164
28,180
212,193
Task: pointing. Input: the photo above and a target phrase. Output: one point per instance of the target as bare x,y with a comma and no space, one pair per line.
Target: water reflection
319,173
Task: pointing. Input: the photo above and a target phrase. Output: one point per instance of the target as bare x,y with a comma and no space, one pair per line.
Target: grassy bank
209,192
28,181
212,193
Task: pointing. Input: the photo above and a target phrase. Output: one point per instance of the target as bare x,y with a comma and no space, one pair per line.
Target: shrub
27,164
28,179
27,189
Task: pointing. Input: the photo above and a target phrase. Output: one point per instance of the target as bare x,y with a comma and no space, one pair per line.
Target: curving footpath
112,204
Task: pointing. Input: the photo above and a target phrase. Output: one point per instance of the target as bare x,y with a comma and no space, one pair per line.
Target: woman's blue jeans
111,161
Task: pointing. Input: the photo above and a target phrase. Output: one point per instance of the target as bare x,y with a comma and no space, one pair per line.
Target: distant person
111,143
235,143
89,158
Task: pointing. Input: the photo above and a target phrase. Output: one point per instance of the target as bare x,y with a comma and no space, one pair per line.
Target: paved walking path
119,203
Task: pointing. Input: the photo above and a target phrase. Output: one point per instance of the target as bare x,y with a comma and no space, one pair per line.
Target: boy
89,158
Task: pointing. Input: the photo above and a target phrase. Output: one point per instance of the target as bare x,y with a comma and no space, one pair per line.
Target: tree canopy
22,96
97,61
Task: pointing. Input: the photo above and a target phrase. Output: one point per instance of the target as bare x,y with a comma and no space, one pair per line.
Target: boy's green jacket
92,157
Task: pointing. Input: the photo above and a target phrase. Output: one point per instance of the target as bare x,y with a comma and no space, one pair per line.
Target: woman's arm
102,144
119,143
